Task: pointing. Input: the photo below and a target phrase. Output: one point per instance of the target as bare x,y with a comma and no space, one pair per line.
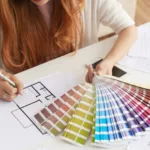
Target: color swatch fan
112,111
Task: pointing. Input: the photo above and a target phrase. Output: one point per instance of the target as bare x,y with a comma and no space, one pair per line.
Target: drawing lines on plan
36,97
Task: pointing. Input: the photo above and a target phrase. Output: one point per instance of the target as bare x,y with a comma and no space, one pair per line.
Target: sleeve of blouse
112,14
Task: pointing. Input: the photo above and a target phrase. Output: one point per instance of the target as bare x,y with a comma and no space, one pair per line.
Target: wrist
109,61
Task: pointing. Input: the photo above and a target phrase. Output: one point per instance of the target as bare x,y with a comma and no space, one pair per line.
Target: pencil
7,79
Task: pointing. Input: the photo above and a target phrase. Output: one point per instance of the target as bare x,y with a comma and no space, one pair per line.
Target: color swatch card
80,125
55,117
113,111
122,113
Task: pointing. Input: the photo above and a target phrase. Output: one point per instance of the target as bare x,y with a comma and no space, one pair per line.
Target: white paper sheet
140,64
142,144
17,130
148,146
141,48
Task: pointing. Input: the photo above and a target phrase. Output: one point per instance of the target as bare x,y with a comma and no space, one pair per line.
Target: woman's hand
103,68
7,91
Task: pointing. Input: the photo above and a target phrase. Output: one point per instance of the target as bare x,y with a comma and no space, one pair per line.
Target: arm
121,47
113,15
124,41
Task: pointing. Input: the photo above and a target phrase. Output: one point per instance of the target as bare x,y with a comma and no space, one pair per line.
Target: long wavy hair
26,39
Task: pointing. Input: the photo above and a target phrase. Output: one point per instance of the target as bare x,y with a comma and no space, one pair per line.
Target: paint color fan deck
113,111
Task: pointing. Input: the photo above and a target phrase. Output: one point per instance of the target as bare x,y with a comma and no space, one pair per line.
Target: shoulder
109,13
101,6
100,3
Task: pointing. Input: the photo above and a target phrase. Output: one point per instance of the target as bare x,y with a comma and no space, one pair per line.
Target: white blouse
107,12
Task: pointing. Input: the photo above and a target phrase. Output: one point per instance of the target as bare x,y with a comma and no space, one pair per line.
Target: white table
76,64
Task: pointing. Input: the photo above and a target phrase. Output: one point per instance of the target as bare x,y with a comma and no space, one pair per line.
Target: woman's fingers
7,91
5,86
87,78
103,68
90,74
7,97
101,72
18,84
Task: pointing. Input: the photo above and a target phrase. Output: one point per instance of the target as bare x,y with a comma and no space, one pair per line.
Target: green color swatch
80,125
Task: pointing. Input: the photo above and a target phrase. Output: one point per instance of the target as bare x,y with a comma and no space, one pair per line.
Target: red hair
27,41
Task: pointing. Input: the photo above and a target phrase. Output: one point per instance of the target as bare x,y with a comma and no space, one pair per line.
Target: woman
35,31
